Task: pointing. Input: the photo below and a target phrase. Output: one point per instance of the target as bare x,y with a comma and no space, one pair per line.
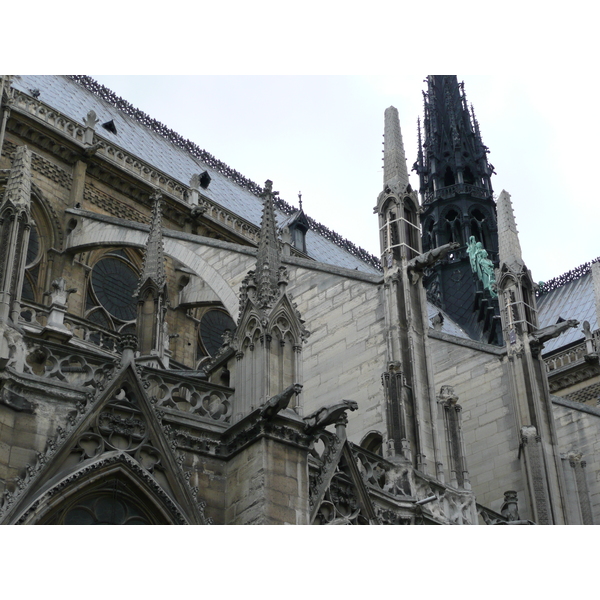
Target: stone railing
459,188
128,162
69,365
37,315
52,118
197,398
565,358
373,468
574,354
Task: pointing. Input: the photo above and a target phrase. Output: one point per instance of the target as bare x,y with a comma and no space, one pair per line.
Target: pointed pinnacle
509,246
394,159
268,259
154,258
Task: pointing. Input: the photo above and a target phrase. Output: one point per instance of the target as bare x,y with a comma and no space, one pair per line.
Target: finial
300,199
153,269
394,159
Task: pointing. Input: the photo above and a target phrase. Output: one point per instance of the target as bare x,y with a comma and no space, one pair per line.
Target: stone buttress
413,432
539,454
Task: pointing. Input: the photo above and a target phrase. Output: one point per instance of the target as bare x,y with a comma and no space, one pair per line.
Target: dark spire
453,150
458,206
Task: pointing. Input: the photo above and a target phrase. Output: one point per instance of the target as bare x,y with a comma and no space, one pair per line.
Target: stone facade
178,345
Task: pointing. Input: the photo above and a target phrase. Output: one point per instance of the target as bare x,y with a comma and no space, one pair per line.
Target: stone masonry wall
344,357
577,429
480,380
267,484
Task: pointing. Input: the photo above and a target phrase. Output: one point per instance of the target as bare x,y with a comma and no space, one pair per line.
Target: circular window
212,327
114,283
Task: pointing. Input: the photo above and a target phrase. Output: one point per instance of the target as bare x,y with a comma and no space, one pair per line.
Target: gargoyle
541,336
280,402
328,415
418,264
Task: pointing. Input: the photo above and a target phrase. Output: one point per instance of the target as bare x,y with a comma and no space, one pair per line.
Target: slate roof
448,325
573,300
75,101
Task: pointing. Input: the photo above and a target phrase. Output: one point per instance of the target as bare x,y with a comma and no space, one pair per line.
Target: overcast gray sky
322,135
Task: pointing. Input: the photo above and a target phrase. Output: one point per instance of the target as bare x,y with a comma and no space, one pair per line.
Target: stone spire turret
509,247
151,293
15,224
270,331
268,259
395,174
153,271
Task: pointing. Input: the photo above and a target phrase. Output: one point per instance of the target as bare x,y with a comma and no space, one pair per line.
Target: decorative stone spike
509,246
154,259
268,258
394,159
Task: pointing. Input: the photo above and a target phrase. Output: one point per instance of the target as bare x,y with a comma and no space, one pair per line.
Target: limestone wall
345,353
577,429
480,380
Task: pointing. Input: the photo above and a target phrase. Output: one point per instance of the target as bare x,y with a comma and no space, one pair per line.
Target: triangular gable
119,433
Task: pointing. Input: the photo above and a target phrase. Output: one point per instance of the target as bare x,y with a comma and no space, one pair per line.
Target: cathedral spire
268,260
153,271
509,246
395,173
458,206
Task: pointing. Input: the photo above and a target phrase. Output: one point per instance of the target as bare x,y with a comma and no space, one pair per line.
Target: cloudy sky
322,136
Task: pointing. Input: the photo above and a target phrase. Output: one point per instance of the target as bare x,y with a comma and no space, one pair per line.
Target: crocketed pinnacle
509,247
268,259
394,159
153,270
18,188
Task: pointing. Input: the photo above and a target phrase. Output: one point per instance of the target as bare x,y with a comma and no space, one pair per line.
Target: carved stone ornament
328,415
91,120
510,507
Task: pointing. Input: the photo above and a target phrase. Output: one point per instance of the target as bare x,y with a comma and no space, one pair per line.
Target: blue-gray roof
573,300
75,101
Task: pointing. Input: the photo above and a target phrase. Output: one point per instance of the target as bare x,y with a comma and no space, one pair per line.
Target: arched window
468,176
452,227
480,228
373,442
213,324
449,177
390,239
112,501
429,239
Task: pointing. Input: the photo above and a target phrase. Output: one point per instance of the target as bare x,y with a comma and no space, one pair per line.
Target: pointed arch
120,427
110,490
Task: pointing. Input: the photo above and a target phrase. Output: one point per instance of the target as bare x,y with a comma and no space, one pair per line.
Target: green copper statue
482,266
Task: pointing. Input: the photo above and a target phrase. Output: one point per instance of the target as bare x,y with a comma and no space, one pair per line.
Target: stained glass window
114,283
212,327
